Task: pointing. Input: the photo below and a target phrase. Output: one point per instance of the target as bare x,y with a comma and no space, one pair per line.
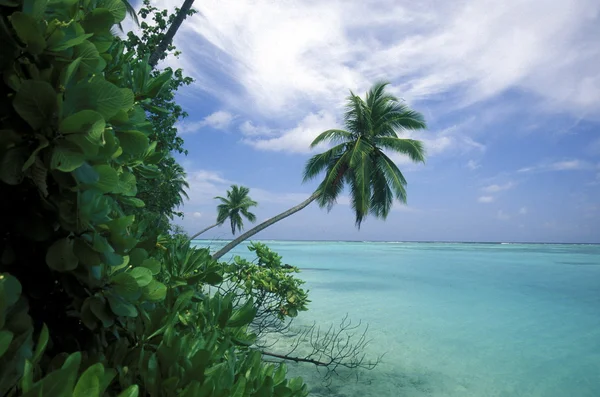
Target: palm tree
160,49
358,159
236,205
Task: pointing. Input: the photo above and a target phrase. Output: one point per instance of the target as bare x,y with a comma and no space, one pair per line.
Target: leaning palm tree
160,50
236,205
358,159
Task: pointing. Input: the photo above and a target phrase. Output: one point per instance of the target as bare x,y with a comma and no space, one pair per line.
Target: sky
510,92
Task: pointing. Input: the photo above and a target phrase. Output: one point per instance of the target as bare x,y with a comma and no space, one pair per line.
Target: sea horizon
405,241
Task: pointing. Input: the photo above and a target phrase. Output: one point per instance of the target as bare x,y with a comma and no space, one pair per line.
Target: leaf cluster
89,306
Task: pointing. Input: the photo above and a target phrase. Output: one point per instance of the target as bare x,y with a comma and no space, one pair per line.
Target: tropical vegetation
234,207
91,304
100,295
358,159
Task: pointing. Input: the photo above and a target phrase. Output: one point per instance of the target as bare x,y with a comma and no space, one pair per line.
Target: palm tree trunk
202,231
264,225
162,46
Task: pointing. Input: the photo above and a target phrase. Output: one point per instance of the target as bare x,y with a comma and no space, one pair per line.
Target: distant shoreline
407,241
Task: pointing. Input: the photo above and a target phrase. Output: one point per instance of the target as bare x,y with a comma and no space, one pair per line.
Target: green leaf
243,316
40,347
90,59
128,99
98,21
125,285
142,275
113,259
5,338
29,32
35,102
120,307
60,256
89,382
131,391
10,290
98,95
279,375
152,264
43,144
133,202
137,256
66,159
108,178
11,165
68,72
134,143
240,388
98,308
86,122
72,42
157,84
27,379
127,185
102,41
86,174
35,8
155,291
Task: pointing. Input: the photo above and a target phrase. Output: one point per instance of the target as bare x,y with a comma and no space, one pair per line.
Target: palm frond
360,187
358,115
321,161
332,185
249,215
393,175
132,14
334,135
382,196
396,118
413,148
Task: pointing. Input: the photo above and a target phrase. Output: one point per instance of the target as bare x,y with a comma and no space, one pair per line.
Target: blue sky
510,91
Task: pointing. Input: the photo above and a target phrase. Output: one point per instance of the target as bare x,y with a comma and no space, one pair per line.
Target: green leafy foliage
269,282
90,303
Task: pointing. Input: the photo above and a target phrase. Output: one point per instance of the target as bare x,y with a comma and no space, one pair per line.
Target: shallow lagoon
458,319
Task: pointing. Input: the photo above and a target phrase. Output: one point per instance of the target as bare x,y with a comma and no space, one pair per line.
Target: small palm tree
357,159
234,207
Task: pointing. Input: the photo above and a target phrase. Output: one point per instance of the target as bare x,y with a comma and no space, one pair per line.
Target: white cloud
503,216
564,165
294,57
486,199
219,120
197,215
247,128
498,188
297,139
448,141
473,165
523,211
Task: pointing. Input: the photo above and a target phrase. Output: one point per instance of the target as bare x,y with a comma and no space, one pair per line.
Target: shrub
87,306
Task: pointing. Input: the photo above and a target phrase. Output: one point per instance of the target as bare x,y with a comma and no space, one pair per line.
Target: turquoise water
458,319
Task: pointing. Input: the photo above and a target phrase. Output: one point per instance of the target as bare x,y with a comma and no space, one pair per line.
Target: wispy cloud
523,211
563,165
503,216
247,128
219,120
473,165
294,57
486,199
297,139
498,188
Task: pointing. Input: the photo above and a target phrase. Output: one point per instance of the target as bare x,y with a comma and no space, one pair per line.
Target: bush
88,305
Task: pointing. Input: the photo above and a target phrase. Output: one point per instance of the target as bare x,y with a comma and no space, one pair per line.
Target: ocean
454,319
